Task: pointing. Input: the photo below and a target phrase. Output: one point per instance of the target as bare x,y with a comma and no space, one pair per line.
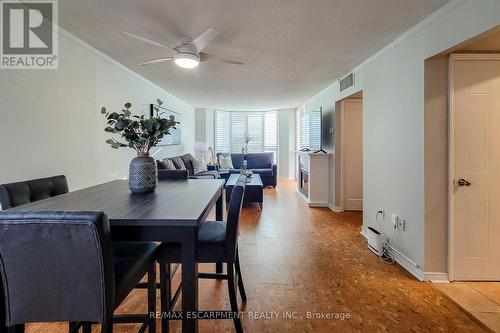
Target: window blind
315,130
232,126
308,129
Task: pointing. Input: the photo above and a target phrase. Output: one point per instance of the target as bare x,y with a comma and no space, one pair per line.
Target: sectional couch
259,163
185,170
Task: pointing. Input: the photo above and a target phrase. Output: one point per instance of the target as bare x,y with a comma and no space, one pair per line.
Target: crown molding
447,8
69,36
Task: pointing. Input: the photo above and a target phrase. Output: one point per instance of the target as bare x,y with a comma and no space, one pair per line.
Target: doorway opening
462,171
349,153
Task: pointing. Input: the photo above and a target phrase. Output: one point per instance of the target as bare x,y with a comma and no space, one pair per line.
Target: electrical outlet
401,224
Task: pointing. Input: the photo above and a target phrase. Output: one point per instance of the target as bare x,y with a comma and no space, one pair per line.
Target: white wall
286,140
393,86
50,121
286,144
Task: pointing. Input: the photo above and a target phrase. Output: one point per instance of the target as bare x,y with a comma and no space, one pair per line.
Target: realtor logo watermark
29,38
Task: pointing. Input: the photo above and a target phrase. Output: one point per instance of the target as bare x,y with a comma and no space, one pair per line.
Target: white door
352,153
475,167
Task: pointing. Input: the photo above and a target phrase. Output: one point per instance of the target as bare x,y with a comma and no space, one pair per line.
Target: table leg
219,216
189,281
219,209
3,328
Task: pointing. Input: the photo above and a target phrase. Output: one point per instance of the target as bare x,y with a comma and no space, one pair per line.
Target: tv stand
313,178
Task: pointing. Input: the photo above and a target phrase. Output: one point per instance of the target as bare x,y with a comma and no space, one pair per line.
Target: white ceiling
292,48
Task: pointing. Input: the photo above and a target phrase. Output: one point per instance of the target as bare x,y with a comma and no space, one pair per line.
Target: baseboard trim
317,204
403,260
407,264
336,209
436,277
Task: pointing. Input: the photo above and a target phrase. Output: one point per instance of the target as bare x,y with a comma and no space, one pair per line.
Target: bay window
231,128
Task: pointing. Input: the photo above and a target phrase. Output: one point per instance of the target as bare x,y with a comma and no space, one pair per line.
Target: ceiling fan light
186,60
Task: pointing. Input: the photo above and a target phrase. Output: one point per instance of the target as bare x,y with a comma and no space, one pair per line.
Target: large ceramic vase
143,174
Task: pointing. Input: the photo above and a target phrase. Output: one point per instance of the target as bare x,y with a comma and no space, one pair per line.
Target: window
308,129
232,126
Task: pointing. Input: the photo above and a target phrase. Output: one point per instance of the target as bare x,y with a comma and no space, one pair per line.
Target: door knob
463,182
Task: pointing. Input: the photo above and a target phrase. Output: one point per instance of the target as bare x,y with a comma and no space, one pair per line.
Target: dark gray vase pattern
143,174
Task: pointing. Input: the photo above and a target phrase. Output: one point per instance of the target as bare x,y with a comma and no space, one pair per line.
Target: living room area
249,166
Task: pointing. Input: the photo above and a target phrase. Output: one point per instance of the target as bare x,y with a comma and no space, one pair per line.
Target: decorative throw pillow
179,163
199,165
225,162
168,164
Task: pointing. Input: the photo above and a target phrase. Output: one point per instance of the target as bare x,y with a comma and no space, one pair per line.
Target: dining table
172,213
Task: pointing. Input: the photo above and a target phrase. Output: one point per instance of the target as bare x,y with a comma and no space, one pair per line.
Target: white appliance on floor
374,241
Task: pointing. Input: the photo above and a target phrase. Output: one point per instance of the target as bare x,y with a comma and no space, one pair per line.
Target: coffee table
253,189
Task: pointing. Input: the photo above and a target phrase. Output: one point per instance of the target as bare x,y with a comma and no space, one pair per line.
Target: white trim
403,260
451,149
318,204
335,209
342,155
69,36
447,8
407,263
475,56
436,277
450,6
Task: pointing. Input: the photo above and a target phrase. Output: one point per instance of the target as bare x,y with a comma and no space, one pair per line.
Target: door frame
451,147
342,149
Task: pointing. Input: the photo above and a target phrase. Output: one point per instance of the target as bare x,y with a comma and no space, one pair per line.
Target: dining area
74,257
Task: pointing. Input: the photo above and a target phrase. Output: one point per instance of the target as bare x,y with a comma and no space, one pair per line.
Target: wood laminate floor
298,260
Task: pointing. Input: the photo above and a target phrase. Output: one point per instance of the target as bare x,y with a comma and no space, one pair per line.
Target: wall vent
347,82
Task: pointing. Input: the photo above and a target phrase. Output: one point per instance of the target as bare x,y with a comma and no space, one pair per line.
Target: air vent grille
347,82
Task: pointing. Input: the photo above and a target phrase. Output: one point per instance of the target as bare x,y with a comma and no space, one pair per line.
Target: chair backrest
56,266
233,216
21,193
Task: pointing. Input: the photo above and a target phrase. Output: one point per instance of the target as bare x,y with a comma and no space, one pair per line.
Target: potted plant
246,139
140,133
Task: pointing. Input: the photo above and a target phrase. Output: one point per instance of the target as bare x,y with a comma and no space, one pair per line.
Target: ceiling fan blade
149,41
232,62
155,61
207,57
202,40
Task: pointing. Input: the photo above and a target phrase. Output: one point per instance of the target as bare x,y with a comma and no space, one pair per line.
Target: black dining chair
24,192
217,243
62,267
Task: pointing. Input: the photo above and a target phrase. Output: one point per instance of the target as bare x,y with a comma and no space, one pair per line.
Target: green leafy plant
138,131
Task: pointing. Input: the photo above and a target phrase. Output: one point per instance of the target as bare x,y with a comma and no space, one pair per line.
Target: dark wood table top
176,202
255,180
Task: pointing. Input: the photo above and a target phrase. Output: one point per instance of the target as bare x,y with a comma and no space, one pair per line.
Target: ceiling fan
187,54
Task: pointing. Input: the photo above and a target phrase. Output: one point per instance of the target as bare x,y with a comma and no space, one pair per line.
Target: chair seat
131,262
211,245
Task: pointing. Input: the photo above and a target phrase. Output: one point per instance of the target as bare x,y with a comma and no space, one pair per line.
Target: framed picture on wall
175,133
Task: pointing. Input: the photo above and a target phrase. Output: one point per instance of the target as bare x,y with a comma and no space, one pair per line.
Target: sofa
259,163
184,170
